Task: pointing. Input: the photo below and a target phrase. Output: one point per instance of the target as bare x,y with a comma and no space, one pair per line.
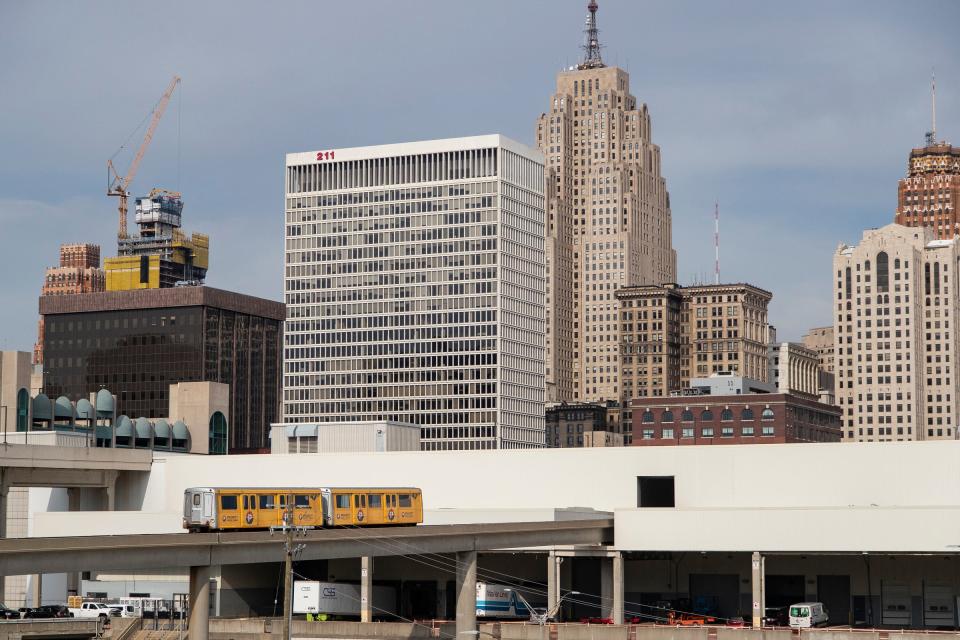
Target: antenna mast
591,45
932,134
716,241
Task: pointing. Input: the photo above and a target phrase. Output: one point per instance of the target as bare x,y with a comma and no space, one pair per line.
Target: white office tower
414,286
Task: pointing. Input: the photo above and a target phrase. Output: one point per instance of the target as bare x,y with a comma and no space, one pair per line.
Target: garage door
834,593
938,606
717,595
895,604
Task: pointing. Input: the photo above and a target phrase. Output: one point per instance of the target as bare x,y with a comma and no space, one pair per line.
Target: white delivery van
807,614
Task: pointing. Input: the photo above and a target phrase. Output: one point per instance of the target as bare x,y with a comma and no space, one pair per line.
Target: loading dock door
783,591
938,603
834,593
717,595
894,604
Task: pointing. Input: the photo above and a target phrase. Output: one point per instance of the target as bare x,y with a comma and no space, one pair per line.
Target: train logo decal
249,517
360,515
391,515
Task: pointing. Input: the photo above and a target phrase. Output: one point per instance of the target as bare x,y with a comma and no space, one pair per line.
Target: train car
238,508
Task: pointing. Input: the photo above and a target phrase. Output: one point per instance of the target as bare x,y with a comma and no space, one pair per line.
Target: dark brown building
761,418
930,194
137,343
583,424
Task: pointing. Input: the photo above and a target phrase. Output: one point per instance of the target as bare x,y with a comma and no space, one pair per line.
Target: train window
228,502
375,500
301,501
363,500
246,502
196,499
405,500
356,501
266,502
283,501
343,501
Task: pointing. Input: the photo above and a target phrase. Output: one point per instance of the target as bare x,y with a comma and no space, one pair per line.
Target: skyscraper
608,223
415,290
896,333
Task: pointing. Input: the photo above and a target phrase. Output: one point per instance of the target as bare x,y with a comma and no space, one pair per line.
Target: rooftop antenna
591,45
716,241
932,134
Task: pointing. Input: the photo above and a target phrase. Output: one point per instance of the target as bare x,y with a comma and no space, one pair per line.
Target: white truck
94,610
339,599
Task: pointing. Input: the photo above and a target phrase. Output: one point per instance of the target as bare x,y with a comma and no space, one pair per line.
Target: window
301,501
747,431
246,502
726,432
228,502
196,499
746,414
648,434
667,434
707,432
343,501
687,432
218,434
266,501
666,416
767,414
883,277
655,491
23,409
405,500
374,500
726,415
706,416
647,416
687,415
767,431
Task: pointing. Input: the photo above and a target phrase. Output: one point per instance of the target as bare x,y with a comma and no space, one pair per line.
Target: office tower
415,289
895,326
820,339
78,272
672,334
609,223
139,343
161,255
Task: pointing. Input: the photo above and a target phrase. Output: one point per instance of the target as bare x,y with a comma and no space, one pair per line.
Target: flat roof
162,299
413,148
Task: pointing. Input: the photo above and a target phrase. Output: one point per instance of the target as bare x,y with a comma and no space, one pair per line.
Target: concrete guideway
134,552
31,456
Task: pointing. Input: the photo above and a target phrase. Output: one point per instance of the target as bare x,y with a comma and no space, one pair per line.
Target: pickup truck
94,610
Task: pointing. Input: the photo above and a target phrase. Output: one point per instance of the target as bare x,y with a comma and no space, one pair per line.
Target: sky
797,117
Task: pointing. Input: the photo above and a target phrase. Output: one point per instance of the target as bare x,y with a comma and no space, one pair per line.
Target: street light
542,618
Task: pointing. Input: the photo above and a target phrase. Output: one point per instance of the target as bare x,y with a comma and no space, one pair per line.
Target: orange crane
120,187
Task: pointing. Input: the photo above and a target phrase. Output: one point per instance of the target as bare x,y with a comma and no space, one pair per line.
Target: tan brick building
609,222
670,334
896,335
820,339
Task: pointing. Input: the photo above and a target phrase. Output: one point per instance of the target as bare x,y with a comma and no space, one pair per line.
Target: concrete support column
199,625
110,491
757,578
466,595
4,493
553,582
366,589
611,588
73,577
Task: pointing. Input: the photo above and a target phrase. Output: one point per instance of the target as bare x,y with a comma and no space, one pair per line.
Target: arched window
687,415
726,415
896,263
767,414
23,409
883,271
746,414
666,416
218,434
706,416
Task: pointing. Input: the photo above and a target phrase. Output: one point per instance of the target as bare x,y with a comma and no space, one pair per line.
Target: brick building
583,424
762,418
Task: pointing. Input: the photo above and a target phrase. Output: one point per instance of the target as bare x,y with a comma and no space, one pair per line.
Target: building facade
820,339
415,289
895,326
794,369
738,419
930,194
139,343
583,424
79,272
608,224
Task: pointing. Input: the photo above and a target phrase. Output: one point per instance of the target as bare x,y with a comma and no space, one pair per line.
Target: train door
250,510
208,507
268,515
375,505
360,508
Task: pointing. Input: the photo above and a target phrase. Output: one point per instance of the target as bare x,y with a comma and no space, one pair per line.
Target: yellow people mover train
237,508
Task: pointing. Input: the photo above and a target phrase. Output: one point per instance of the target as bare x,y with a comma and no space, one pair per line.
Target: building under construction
161,255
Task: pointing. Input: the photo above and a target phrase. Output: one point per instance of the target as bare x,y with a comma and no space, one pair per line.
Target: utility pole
290,549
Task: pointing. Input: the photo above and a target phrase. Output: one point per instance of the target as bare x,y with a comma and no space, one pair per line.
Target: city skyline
821,91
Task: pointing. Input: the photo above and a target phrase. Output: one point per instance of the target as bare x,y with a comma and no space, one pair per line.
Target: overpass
201,551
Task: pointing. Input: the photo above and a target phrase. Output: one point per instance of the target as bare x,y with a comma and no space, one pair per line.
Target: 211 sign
324,155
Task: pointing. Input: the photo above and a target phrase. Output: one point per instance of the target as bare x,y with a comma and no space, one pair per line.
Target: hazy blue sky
797,116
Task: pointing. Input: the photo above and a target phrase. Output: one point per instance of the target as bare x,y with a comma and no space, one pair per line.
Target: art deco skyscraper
609,223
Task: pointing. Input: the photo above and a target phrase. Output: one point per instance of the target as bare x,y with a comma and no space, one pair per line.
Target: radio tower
591,44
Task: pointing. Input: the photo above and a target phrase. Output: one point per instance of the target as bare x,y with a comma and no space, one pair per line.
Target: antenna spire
932,134
591,44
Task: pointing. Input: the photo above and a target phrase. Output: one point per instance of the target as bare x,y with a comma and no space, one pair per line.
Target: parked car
8,614
49,611
95,610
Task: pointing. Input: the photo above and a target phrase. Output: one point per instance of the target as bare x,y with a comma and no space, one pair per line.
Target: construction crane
120,187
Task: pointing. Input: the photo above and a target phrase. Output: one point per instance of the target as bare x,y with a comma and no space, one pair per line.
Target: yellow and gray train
239,509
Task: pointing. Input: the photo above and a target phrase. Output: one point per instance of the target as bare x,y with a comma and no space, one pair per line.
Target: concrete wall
195,403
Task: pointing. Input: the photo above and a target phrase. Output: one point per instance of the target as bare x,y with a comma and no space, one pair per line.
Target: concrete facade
794,369
820,339
334,437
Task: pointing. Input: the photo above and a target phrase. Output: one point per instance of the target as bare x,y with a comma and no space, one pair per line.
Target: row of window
707,432
707,415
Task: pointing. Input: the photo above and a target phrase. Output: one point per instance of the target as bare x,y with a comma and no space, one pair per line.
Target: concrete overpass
201,551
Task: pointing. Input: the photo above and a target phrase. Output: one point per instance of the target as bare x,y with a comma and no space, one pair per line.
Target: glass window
218,434
707,432
246,502
374,500
301,501
687,432
647,416
266,502
726,432
746,414
667,434
767,414
767,431
667,416
883,273
687,415
648,434
228,502
343,501
726,415
706,416
747,431
196,499
405,500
